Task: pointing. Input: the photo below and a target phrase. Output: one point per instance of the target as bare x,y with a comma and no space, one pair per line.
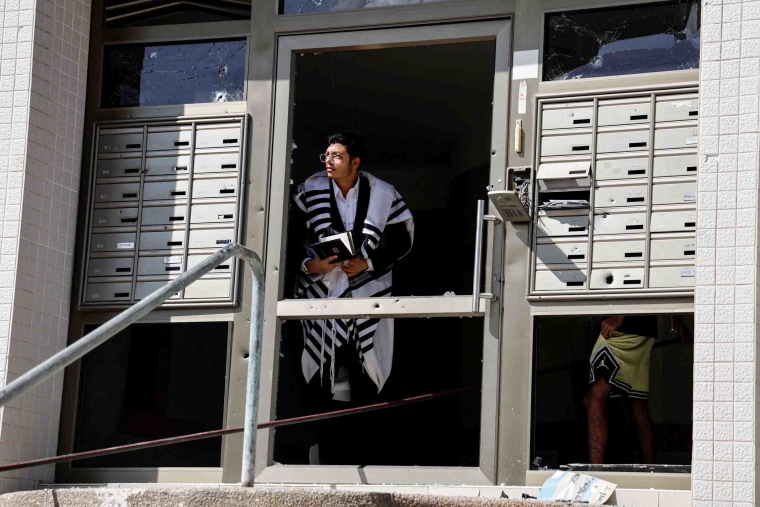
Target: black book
341,244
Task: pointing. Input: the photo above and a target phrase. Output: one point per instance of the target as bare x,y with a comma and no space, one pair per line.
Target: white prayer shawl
372,337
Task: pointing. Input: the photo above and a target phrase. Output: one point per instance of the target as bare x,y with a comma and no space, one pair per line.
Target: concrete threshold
177,494
259,496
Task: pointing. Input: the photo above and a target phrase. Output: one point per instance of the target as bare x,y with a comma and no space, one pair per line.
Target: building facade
141,137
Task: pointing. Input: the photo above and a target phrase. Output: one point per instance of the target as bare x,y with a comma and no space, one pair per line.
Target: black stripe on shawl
319,200
366,323
397,212
365,277
321,221
313,354
377,232
312,193
362,206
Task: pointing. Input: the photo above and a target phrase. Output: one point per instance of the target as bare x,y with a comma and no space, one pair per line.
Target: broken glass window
165,74
303,6
118,13
622,40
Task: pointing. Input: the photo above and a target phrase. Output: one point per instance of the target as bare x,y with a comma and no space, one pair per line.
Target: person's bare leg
595,402
640,415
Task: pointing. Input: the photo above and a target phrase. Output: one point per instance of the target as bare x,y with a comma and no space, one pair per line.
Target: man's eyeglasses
336,157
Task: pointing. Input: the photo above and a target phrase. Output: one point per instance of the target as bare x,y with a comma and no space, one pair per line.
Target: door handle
482,217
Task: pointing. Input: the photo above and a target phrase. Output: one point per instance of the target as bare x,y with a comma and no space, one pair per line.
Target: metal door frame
277,308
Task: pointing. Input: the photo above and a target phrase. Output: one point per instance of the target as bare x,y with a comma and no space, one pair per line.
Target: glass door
430,104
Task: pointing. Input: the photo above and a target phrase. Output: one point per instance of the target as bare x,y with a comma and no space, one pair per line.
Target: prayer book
341,244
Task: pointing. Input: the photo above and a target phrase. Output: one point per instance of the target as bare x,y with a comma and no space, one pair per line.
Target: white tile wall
725,368
43,60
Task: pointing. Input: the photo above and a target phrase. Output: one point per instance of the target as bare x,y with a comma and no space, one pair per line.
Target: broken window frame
289,7
594,63
110,87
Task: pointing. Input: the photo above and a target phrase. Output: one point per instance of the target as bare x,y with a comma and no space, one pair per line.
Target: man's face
339,165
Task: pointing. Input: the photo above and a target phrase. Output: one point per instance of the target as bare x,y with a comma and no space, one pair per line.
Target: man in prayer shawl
350,359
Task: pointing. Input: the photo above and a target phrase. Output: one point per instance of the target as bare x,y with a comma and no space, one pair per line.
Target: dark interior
154,381
563,346
425,115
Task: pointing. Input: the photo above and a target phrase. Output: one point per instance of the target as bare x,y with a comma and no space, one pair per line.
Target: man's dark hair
353,143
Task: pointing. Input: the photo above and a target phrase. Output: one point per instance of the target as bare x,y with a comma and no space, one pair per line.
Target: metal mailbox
217,137
173,138
641,147
140,229
572,115
211,238
174,165
622,195
677,108
675,165
108,292
674,221
222,269
117,192
210,288
669,248
560,280
120,140
117,167
613,222
144,288
627,250
216,162
564,175
216,187
162,240
113,242
624,112
114,217
164,215
672,276
110,266
676,138
622,141
213,213
562,253
557,224
622,168
574,144
159,265
166,190
617,278
674,193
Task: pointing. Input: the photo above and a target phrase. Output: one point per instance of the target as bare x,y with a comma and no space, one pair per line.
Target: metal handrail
136,312
302,419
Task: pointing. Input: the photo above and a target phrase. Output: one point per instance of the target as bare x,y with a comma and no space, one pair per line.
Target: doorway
431,104
424,113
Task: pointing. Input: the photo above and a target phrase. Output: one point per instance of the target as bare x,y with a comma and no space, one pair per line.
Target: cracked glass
304,6
621,40
166,74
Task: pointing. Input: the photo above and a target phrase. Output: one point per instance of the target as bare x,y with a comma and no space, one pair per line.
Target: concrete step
173,496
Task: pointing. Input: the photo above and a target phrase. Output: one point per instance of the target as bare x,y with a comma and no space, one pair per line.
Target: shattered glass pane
622,40
303,6
157,75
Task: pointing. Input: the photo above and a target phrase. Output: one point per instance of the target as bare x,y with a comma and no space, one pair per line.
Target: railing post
254,366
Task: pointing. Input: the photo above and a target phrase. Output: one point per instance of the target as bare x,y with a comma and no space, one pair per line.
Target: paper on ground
576,487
